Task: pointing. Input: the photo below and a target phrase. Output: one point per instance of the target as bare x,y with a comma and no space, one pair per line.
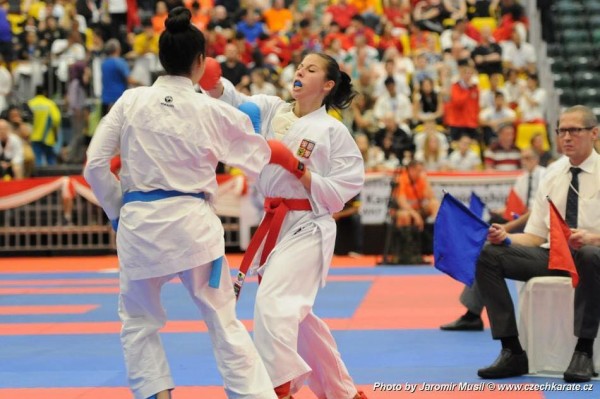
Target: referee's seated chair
546,324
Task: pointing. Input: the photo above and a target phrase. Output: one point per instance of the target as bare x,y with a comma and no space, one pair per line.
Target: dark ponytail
180,43
342,93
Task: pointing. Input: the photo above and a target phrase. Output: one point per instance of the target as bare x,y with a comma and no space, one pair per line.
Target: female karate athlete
170,139
322,170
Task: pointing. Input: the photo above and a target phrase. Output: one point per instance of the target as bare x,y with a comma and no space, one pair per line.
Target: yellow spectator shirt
143,44
46,120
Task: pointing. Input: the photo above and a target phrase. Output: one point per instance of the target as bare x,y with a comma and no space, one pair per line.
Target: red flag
514,205
560,254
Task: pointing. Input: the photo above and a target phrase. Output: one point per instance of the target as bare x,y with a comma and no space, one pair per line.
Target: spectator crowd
444,82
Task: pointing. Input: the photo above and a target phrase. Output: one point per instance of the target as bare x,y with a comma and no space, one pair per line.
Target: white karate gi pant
142,315
294,344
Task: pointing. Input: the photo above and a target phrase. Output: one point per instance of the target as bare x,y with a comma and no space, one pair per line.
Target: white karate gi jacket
328,150
170,138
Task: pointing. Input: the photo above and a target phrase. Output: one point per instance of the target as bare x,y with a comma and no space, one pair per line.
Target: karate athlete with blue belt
316,168
170,139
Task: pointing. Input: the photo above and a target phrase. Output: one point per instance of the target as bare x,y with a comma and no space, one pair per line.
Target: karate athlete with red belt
316,168
170,139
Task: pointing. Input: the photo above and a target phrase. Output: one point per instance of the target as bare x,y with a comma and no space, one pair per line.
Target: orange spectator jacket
414,192
277,19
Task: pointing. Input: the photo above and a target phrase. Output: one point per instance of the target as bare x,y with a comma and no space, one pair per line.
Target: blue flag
476,205
458,237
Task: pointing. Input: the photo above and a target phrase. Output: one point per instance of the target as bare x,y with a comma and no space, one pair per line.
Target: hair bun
178,20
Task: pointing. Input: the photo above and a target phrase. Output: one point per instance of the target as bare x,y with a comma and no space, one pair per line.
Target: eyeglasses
573,131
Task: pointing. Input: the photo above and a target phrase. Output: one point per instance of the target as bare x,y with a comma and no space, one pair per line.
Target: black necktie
573,199
529,188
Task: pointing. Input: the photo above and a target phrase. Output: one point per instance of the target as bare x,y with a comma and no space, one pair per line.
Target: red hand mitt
282,156
212,74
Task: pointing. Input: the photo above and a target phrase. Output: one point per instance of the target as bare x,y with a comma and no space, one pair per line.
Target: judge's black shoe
581,368
464,324
506,365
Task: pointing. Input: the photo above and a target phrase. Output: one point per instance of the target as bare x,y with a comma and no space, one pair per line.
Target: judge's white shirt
555,184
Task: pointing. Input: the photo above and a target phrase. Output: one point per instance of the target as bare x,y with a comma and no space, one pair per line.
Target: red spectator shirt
463,108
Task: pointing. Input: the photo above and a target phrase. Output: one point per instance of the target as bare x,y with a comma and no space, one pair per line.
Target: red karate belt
275,210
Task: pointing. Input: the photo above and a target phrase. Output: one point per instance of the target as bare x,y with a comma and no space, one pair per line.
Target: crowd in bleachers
449,82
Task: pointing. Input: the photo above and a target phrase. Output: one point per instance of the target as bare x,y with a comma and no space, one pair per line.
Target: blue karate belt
155,195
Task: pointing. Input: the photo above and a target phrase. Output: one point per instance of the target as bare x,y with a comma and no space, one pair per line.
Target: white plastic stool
546,324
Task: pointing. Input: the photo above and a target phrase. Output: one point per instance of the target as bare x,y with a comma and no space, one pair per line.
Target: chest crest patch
306,148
